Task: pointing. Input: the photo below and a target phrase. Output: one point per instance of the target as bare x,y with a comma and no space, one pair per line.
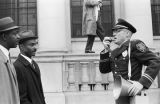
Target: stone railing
83,75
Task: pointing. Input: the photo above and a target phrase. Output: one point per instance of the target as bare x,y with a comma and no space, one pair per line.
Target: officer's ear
129,34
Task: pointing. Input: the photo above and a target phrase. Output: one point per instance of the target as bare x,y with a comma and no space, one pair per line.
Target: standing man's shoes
89,51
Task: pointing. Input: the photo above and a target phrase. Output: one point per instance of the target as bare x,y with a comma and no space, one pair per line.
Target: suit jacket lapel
36,68
27,64
9,65
34,73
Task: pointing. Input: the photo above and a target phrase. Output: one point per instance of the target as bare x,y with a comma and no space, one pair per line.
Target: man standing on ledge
9,93
116,60
91,23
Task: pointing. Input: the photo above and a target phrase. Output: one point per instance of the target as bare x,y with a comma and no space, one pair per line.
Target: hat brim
27,38
11,28
119,27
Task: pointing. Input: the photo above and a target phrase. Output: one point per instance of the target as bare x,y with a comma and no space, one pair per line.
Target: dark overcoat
89,25
117,62
29,79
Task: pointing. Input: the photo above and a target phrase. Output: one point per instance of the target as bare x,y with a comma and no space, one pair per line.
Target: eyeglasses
117,30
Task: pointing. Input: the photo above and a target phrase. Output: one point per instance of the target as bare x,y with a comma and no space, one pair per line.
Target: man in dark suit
28,73
9,93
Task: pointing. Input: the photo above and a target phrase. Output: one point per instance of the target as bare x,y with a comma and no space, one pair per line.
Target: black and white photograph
79,51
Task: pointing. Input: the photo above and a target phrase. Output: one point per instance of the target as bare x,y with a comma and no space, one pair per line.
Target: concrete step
90,97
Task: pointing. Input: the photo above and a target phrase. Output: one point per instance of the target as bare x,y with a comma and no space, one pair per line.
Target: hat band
121,26
3,27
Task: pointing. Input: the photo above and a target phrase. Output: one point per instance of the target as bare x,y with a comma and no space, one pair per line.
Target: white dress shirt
5,51
27,58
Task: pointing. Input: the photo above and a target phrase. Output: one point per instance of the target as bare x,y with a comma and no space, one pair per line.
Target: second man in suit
28,73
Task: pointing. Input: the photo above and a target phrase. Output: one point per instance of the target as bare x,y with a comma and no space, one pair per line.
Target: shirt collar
5,51
27,58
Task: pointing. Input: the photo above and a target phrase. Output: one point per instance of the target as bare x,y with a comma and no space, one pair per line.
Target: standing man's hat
122,24
26,35
6,24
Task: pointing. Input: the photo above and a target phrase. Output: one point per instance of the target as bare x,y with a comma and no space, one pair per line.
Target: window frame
155,26
14,9
112,17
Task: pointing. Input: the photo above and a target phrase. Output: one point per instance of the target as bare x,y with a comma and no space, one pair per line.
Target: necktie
33,64
9,56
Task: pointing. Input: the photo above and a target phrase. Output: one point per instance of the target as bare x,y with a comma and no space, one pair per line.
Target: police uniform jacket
29,81
117,62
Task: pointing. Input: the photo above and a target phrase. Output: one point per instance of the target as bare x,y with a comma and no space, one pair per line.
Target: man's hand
106,42
135,88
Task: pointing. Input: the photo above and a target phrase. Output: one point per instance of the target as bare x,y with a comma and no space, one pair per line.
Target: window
76,17
24,12
155,7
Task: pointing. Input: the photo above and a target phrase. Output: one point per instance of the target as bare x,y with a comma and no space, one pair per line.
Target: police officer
116,59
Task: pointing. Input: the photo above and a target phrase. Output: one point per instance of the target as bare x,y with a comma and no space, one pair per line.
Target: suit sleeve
104,63
92,2
22,85
149,59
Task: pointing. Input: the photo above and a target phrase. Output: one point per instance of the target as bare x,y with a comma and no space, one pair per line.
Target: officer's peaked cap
122,24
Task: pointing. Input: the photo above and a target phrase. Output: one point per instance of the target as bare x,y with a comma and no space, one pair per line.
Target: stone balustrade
85,76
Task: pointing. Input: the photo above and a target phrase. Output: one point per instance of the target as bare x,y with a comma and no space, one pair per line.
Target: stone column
71,77
98,78
85,77
138,13
54,25
54,37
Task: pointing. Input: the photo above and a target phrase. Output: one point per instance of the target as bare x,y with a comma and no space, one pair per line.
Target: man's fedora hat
122,24
26,35
6,24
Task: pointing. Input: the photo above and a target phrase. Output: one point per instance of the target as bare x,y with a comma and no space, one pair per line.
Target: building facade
70,76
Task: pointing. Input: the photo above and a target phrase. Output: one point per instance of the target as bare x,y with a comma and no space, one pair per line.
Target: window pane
32,20
155,7
76,17
24,12
23,20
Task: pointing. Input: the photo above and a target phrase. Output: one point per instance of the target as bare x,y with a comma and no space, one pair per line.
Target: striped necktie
9,56
33,64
